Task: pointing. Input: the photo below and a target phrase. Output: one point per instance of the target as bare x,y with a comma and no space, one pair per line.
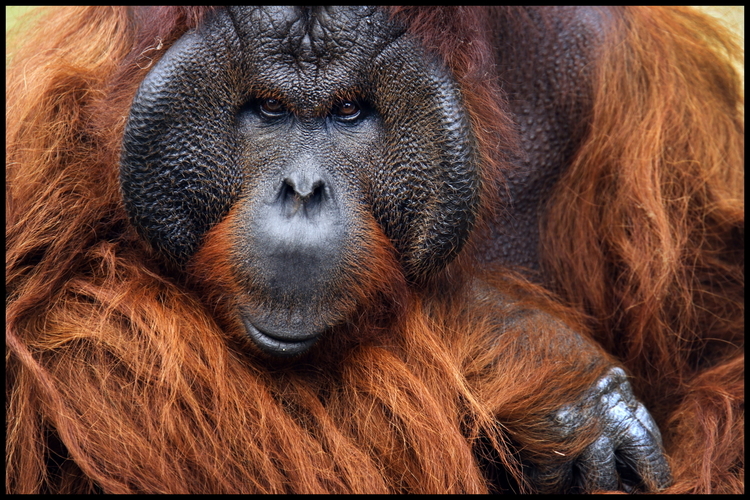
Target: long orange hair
645,232
123,377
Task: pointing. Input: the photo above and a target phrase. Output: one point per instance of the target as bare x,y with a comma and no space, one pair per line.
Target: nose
299,236
303,192
300,228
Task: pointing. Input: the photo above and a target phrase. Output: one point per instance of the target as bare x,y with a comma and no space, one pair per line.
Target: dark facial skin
288,116
303,128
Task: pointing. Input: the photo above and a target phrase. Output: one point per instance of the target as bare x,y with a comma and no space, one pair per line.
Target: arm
565,405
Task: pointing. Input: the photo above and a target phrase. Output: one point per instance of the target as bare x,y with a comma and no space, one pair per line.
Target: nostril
295,194
317,195
301,187
288,194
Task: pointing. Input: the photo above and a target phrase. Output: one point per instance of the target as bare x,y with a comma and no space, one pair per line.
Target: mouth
279,345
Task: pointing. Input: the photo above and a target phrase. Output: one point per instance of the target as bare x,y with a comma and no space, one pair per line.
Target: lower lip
278,347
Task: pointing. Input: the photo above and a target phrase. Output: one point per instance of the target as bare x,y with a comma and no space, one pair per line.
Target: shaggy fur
124,377
645,233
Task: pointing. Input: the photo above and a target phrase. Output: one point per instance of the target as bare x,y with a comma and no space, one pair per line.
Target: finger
641,459
597,466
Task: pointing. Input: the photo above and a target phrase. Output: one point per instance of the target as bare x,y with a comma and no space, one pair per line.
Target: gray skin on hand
199,143
628,455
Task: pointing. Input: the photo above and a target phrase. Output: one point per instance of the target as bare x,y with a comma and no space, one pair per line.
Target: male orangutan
363,250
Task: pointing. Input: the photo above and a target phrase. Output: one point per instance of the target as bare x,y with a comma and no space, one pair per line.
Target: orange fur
122,376
645,232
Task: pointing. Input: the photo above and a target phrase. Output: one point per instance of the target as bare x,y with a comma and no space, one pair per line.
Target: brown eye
271,107
347,110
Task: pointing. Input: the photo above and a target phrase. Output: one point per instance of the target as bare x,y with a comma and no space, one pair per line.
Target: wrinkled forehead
306,49
314,34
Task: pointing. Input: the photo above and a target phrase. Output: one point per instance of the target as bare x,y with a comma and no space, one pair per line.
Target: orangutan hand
628,455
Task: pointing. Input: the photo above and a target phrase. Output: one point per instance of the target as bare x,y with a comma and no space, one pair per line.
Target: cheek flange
178,170
426,196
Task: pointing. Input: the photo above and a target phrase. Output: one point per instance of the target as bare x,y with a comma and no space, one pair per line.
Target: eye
347,110
272,108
